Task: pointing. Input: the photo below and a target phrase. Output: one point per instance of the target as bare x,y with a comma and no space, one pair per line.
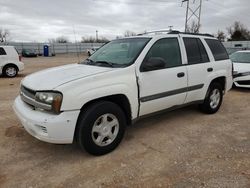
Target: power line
140,3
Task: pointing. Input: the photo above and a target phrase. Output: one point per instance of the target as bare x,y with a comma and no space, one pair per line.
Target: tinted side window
2,51
196,52
218,50
168,50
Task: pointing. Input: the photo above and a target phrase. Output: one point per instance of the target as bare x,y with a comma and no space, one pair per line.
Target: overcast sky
40,20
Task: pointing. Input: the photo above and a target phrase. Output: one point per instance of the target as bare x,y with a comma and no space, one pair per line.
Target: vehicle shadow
239,89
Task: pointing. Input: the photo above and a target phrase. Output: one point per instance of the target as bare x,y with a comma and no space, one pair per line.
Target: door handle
180,74
210,69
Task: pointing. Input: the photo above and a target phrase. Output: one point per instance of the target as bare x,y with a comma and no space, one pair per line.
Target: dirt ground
182,148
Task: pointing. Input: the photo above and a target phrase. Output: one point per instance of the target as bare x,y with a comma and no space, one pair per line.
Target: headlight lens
52,100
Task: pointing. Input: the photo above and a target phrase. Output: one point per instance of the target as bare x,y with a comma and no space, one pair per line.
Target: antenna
77,53
96,35
193,11
170,28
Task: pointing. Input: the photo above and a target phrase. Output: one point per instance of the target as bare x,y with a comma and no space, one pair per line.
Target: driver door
162,87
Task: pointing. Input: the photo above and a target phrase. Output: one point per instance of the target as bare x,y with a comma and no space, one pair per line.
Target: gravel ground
182,148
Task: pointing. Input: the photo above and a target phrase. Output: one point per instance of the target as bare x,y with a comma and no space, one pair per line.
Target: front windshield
29,51
240,57
119,53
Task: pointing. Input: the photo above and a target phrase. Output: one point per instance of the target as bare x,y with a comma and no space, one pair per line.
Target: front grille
28,92
27,95
244,82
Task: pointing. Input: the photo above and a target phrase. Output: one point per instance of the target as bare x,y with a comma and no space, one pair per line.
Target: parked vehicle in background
10,61
92,102
29,53
92,50
241,62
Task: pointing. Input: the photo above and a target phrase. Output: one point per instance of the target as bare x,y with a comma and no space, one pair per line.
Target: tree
238,31
129,33
4,34
92,40
193,28
62,39
221,36
88,39
103,40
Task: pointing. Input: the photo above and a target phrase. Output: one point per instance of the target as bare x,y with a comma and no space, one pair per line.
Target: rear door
2,56
165,87
199,68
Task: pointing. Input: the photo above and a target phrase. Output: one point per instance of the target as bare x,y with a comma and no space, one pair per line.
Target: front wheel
213,99
100,128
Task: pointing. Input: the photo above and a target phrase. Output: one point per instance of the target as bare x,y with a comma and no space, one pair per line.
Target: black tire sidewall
5,74
86,122
206,107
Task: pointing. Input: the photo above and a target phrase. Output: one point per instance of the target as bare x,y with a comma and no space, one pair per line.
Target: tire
10,71
89,54
213,99
100,128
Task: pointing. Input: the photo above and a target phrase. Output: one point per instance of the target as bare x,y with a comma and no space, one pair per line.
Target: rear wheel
10,71
100,128
213,99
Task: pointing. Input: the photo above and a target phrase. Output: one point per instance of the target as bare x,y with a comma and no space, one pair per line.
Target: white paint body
242,68
11,57
81,84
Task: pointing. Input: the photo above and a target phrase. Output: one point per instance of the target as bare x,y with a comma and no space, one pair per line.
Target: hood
51,78
241,67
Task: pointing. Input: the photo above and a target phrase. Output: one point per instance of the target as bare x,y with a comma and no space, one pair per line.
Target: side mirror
153,63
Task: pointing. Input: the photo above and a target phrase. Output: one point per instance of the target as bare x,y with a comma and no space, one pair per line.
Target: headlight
245,73
51,100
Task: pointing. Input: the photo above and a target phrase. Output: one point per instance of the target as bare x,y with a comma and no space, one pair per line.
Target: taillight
20,58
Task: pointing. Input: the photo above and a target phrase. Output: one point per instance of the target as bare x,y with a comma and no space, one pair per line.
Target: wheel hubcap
105,129
11,71
215,98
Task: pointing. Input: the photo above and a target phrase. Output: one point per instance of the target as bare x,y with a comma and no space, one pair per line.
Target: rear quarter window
196,52
218,50
2,51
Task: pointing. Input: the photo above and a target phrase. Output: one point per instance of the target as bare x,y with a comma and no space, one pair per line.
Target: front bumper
47,127
242,81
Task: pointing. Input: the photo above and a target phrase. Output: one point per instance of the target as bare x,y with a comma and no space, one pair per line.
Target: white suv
93,101
10,61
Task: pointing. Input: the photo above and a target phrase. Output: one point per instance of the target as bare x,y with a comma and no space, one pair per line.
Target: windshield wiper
87,61
105,62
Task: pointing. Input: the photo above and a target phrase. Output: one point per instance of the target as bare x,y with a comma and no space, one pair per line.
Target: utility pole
96,35
193,11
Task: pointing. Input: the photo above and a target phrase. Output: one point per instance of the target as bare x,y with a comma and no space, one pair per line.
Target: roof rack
187,33
155,32
167,31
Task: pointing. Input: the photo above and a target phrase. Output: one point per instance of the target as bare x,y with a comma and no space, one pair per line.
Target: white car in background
241,62
10,61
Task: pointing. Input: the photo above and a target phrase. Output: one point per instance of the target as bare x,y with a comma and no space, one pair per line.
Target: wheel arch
10,64
120,99
221,80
